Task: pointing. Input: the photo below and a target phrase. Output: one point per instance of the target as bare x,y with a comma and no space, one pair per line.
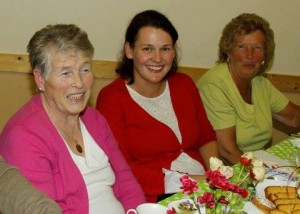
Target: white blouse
98,176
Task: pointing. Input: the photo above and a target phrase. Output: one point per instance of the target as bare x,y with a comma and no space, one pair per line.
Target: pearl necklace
74,140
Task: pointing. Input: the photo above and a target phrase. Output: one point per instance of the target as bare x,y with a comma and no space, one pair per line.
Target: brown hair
243,24
146,18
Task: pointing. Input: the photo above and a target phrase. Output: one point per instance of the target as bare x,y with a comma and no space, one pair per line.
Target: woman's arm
208,150
26,150
290,115
126,187
228,149
17,195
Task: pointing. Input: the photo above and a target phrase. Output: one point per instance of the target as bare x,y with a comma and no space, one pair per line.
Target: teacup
148,208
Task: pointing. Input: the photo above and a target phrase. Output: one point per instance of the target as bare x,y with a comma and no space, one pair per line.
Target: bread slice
279,189
277,211
288,207
280,195
287,201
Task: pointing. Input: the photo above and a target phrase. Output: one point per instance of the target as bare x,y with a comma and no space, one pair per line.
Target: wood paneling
17,85
106,70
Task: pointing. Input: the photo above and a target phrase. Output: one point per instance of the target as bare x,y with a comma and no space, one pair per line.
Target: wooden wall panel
17,85
105,69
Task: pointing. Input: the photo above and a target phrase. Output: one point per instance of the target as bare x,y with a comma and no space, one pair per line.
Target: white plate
267,182
175,204
283,174
250,208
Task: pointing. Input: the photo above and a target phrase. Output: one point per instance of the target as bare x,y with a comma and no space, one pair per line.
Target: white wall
199,23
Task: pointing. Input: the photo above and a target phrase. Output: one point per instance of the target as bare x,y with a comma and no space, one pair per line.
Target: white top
161,109
98,176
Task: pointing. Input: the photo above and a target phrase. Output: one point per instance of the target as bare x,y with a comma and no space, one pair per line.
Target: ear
128,50
39,79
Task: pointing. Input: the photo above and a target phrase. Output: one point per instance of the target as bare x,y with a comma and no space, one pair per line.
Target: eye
147,49
86,69
166,49
242,46
258,47
66,73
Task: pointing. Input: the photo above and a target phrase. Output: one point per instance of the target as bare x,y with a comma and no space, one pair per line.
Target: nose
156,56
250,51
77,80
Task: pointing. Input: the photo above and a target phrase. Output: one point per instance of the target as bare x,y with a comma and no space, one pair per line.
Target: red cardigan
147,144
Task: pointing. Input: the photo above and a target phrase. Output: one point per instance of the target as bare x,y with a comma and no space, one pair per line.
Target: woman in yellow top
239,101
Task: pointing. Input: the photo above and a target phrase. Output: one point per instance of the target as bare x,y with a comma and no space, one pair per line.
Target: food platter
269,182
250,208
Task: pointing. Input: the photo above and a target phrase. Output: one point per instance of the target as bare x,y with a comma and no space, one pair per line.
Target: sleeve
17,195
151,180
219,109
126,187
207,132
24,147
278,100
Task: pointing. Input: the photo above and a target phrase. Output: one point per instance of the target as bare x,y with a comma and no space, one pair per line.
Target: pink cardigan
31,142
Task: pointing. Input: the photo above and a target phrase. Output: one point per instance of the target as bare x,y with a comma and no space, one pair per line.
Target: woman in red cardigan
155,113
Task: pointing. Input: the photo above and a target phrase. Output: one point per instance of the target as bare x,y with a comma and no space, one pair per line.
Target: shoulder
91,115
116,86
112,94
262,82
30,114
216,72
93,119
181,79
214,75
261,79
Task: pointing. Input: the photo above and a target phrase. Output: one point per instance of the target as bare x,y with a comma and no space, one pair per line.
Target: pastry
280,195
263,204
288,208
279,189
286,201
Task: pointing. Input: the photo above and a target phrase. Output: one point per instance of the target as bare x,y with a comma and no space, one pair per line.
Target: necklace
74,140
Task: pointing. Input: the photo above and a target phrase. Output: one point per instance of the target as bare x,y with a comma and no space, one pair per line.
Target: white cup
148,208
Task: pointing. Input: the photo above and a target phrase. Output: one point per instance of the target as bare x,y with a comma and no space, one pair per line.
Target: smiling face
152,54
247,55
67,84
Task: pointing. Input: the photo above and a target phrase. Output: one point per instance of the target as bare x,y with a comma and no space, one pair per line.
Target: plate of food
183,206
281,196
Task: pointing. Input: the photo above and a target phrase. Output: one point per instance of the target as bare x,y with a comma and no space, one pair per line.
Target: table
284,150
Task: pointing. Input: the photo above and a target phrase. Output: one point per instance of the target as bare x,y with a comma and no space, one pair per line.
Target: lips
75,96
154,68
251,65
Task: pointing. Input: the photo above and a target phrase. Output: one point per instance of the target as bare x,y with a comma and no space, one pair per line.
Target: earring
228,60
263,62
